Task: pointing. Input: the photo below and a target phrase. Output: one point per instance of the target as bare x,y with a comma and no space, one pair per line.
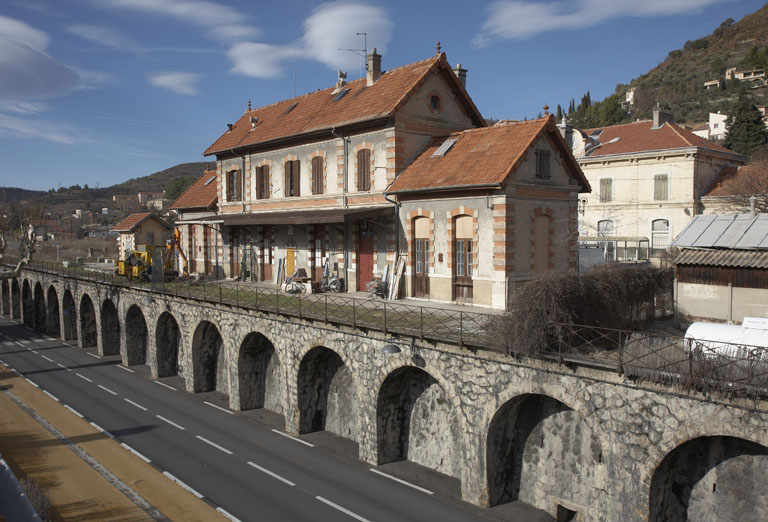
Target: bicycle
293,283
330,283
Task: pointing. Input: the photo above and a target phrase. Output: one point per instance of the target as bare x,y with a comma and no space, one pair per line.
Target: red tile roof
134,220
640,137
746,180
323,110
479,157
201,194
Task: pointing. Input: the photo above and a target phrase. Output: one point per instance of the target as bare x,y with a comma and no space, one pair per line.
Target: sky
97,92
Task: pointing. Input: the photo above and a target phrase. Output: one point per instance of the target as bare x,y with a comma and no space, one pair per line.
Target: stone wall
584,440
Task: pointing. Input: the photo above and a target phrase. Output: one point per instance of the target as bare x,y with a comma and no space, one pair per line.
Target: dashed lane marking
342,509
62,366
170,422
142,457
83,377
165,385
218,407
139,406
106,389
94,356
52,396
293,438
124,368
70,408
227,514
211,443
401,481
271,474
47,358
30,381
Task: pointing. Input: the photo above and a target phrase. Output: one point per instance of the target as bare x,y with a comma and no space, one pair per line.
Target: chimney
461,74
752,200
374,67
229,126
341,81
660,117
566,131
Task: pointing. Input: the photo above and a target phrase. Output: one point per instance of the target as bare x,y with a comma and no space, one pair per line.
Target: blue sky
100,91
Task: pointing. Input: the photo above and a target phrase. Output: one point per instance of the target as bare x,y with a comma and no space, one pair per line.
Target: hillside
156,182
9,194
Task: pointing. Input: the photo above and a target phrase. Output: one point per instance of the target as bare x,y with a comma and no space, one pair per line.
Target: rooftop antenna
294,82
364,52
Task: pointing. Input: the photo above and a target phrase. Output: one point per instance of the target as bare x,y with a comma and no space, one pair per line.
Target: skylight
209,181
290,108
597,132
341,94
445,147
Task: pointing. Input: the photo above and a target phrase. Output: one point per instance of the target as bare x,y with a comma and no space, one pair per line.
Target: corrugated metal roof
734,231
737,258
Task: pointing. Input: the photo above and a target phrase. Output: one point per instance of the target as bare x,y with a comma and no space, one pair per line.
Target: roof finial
249,105
546,110
438,47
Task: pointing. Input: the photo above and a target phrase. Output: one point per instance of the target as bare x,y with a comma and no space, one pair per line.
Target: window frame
657,178
364,179
234,185
603,198
543,164
292,187
317,175
263,185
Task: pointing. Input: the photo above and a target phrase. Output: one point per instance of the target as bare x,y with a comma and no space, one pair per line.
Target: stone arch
538,448
88,330
40,320
167,342
417,421
28,304
110,328
259,375
69,316
15,299
53,324
709,479
327,396
208,360
136,336
6,291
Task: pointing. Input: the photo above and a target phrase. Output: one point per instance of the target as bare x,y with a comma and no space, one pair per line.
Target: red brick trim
410,231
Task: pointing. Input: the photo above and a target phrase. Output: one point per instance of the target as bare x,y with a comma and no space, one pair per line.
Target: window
716,125
606,190
659,235
150,238
292,170
234,186
364,170
660,187
434,102
542,164
262,182
605,227
317,175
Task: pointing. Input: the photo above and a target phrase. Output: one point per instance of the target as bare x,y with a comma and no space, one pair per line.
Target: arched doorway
69,314
208,364
415,422
40,321
711,479
88,322
258,371
6,291
167,337
540,448
327,398
15,299
28,304
54,325
110,328
135,336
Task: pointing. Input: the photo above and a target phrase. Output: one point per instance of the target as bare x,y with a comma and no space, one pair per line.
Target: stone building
484,209
141,229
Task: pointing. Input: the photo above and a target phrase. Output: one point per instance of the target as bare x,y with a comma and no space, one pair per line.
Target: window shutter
606,190
288,186
317,175
660,187
364,170
296,177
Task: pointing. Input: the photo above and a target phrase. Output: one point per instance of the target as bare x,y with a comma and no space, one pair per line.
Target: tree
24,219
176,186
746,130
559,114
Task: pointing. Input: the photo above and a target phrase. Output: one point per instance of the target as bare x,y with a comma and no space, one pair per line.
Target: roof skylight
444,148
341,94
209,181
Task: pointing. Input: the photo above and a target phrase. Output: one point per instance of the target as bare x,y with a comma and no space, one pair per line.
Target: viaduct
581,441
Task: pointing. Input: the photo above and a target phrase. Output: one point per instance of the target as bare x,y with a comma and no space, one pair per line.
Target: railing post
620,369
256,291
300,292
385,318
354,315
326,307
461,329
237,295
219,293
421,321
277,301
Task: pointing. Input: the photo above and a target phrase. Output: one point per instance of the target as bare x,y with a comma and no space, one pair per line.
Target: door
464,256
234,254
290,261
364,257
207,250
421,268
266,253
191,254
317,259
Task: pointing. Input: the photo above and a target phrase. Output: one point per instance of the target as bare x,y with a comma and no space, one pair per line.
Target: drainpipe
345,170
397,225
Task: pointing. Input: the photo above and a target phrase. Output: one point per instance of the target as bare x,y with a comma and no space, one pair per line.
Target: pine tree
559,115
746,130
572,107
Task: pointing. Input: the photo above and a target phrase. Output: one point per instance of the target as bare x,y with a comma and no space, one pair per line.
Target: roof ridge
677,130
617,125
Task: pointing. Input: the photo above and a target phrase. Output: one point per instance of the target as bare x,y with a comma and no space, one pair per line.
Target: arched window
606,227
421,249
659,235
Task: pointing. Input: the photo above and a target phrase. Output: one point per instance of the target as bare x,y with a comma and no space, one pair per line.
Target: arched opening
659,236
54,325
40,321
69,316
88,322
110,328
711,479
28,304
258,371
15,299
327,399
135,336
209,366
539,448
167,338
415,422
6,291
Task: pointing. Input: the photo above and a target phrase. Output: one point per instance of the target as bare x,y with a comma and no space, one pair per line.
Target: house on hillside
146,229
648,178
482,210
715,129
721,273
734,188
200,240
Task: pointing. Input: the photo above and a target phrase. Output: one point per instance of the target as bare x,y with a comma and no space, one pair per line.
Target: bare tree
23,219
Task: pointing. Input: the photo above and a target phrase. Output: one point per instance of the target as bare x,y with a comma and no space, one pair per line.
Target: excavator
138,263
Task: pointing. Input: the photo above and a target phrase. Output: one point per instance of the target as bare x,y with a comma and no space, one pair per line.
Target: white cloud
223,22
330,27
175,81
26,128
21,107
107,36
517,20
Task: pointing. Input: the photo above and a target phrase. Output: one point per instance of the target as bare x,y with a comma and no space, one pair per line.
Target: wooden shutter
288,181
295,174
364,170
660,187
606,190
317,175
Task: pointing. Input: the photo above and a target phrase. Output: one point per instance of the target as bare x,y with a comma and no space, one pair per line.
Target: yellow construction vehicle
138,263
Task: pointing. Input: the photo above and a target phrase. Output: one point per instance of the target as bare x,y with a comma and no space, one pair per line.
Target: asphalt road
248,468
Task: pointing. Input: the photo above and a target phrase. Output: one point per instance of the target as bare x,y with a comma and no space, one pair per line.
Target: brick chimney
660,117
461,74
374,67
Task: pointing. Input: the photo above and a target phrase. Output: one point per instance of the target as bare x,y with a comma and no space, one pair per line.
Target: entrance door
235,253
462,272
317,259
191,254
421,268
290,261
364,257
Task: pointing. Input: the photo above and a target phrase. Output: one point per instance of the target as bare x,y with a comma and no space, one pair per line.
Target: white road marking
182,484
142,457
83,377
271,474
41,340
50,339
106,389
62,366
343,510
218,407
94,356
139,406
228,515
47,358
124,368
401,481
170,422
163,384
211,443
30,381
70,408
25,341
35,352
52,396
100,429
293,438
